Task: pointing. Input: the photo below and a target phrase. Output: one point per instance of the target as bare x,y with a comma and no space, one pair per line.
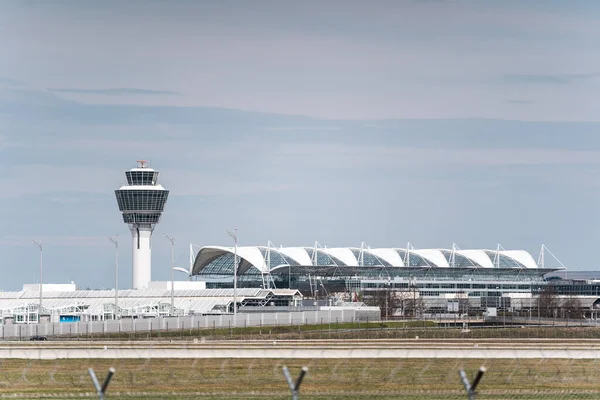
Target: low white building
62,303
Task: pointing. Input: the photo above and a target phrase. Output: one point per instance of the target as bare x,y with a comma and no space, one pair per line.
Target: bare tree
463,305
572,307
548,301
415,306
387,301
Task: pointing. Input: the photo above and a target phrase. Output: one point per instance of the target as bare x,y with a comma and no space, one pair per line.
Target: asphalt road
477,349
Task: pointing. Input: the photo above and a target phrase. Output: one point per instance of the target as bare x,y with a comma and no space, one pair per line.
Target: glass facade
141,200
138,178
414,260
504,261
369,259
323,258
222,265
141,218
460,261
274,258
572,288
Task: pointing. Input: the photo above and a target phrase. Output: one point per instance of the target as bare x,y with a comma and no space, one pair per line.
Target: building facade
438,278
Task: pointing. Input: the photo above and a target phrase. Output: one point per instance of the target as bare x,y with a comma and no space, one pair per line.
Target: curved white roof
435,257
521,256
344,254
479,257
298,254
253,256
388,255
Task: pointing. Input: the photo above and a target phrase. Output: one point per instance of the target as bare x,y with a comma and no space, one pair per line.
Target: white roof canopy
266,258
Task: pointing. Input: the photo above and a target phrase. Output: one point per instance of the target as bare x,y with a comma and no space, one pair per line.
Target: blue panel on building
70,318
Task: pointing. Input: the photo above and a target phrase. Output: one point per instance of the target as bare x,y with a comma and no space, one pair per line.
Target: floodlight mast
41,247
235,267
170,239
115,241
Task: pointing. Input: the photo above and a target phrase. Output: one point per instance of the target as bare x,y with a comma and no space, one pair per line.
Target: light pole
115,241
170,239
38,244
235,266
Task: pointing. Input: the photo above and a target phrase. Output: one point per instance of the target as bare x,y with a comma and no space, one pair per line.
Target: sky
431,122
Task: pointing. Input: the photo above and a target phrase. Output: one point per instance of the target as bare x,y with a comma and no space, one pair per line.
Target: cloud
551,79
345,155
11,82
115,92
4,142
519,102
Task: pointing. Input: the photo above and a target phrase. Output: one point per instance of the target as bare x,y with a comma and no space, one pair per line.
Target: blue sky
434,122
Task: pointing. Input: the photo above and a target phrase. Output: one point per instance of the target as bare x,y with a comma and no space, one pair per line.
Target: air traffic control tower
142,202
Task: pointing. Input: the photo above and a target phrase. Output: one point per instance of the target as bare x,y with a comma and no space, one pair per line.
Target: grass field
327,379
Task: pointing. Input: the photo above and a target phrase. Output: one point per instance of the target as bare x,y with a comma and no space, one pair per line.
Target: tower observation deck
142,202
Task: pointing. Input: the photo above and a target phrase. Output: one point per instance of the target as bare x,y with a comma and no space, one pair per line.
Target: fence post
470,388
101,390
294,387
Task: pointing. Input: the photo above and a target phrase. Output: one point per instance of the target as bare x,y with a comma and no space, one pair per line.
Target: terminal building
437,279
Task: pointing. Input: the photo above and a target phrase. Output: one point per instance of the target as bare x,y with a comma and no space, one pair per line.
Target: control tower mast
142,202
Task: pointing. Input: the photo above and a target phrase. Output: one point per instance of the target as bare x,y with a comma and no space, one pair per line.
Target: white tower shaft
141,255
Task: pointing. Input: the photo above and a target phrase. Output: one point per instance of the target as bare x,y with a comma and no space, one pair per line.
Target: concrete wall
22,331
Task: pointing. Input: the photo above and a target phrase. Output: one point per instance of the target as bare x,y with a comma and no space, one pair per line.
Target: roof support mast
409,247
192,259
453,256
541,258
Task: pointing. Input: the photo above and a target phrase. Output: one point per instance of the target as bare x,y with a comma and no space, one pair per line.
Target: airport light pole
170,239
115,241
38,244
235,266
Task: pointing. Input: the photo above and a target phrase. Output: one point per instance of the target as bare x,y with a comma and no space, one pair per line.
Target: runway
317,349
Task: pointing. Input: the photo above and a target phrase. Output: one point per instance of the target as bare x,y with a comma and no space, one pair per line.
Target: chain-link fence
324,326
345,359
515,370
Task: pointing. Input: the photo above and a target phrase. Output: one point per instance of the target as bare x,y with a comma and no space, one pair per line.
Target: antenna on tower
142,163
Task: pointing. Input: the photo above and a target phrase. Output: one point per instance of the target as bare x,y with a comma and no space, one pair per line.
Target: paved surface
484,349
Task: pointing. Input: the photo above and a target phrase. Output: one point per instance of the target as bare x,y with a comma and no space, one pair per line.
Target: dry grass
348,379
371,330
